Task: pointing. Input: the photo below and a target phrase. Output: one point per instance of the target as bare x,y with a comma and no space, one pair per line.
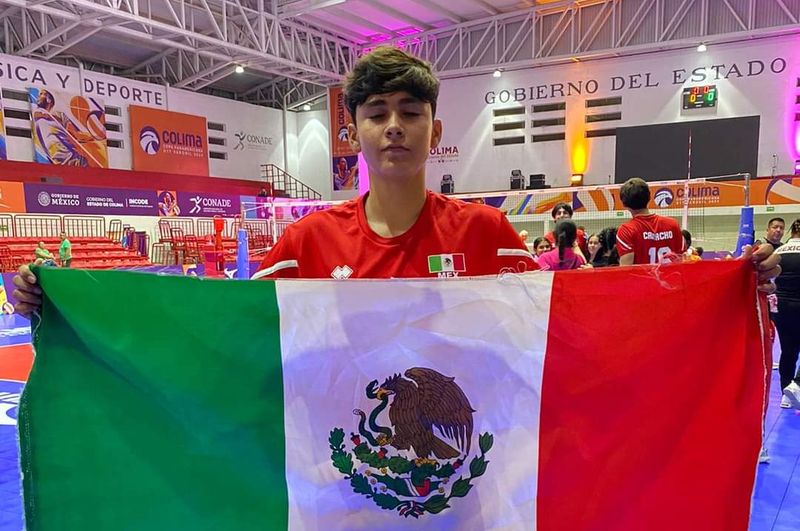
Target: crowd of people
647,238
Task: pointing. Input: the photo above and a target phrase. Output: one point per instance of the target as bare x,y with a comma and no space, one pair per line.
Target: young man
399,229
564,211
646,238
65,251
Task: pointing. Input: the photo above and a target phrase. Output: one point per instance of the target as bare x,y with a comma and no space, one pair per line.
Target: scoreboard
700,97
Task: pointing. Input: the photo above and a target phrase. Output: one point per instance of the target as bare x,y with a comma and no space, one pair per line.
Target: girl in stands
607,253
563,256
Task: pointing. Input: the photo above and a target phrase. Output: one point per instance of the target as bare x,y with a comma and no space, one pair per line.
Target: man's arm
512,253
626,259
283,260
625,246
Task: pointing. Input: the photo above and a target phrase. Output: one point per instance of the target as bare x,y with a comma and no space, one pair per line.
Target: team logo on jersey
341,272
447,265
664,197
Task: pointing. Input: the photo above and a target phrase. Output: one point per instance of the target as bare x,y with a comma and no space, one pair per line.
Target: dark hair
565,234
635,194
388,69
795,227
608,246
769,223
687,237
537,241
698,251
559,206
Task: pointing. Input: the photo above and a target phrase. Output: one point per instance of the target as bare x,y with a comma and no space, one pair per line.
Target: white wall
652,94
313,152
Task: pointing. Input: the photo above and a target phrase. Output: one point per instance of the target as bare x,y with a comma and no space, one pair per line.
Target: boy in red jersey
399,229
646,238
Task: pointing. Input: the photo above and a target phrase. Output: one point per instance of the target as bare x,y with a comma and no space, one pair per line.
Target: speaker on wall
448,185
517,180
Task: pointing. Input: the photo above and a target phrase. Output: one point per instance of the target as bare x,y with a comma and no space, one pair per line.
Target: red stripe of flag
652,399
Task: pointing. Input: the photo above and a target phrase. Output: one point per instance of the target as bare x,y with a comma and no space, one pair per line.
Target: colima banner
344,158
170,142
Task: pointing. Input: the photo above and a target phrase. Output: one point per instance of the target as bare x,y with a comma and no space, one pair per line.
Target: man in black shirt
775,229
788,318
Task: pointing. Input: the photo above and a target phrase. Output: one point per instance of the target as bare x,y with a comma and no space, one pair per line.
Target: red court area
16,362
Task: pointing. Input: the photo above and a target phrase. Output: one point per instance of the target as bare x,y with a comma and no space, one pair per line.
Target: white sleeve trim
514,252
628,247
285,264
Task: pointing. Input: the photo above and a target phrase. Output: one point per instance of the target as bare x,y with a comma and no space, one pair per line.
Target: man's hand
28,293
767,263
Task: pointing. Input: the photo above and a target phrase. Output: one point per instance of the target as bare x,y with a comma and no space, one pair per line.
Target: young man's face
775,231
562,213
395,133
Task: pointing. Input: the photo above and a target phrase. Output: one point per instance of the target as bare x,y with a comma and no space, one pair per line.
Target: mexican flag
622,398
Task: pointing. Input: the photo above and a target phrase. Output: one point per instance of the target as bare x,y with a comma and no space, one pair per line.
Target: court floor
776,498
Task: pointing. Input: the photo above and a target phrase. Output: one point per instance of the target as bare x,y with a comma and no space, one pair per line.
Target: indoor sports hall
179,172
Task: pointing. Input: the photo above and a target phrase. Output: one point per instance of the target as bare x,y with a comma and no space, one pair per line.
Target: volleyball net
710,208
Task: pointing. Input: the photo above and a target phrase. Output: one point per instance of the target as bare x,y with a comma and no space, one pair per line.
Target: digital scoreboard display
700,97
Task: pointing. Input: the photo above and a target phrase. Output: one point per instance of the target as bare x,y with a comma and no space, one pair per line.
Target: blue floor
776,499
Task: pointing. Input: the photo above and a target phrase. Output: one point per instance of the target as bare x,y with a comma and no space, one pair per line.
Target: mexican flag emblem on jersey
445,263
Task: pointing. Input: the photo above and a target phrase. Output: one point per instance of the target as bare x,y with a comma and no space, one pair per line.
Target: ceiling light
306,107
702,47
497,73
239,69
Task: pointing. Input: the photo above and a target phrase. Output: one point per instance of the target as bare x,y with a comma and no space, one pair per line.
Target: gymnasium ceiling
292,49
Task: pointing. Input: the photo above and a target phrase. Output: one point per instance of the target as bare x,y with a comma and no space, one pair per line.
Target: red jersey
649,238
582,240
450,238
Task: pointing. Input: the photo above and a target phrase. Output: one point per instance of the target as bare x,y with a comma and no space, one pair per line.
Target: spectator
646,238
607,254
523,235
593,246
263,192
564,211
774,234
42,252
540,245
65,251
787,320
566,256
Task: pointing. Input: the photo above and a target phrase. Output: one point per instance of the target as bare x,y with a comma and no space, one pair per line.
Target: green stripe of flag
435,263
183,411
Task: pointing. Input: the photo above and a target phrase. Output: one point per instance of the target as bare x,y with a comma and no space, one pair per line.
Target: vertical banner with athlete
344,158
3,152
68,129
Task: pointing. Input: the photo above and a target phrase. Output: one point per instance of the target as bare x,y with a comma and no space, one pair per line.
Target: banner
12,198
3,150
764,191
344,158
167,141
58,199
168,203
68,129
457,407
255,207
208,205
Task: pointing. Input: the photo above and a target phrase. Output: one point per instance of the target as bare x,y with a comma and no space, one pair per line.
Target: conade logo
148,139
